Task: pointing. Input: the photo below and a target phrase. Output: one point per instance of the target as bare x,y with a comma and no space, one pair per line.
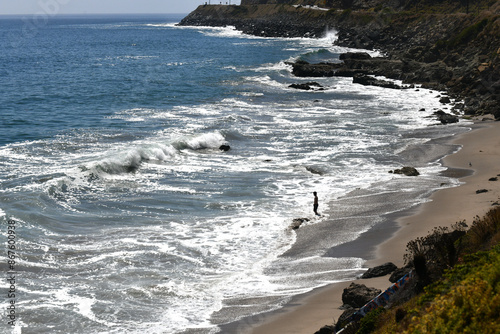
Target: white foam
163,25
224,237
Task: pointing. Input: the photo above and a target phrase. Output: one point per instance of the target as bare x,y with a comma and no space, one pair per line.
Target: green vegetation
370,321
466,298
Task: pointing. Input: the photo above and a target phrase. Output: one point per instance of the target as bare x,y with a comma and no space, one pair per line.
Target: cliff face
441,44
269,20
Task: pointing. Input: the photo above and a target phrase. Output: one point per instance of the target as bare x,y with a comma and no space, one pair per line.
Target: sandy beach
480,153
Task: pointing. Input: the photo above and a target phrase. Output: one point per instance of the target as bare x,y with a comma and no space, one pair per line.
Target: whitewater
129,217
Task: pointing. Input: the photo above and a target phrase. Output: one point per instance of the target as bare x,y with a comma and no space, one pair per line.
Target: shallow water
129,217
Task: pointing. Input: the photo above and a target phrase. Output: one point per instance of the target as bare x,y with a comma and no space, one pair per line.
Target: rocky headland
450,46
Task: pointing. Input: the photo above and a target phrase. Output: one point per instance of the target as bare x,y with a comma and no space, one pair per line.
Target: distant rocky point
439,45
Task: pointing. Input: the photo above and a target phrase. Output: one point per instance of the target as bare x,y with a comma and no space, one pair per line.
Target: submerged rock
314,170
297,222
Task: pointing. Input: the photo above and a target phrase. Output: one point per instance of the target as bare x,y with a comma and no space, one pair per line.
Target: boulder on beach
357,295
381,270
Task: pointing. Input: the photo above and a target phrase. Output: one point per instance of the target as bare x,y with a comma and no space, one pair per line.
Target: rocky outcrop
302,68
440,48
398,273
453,51
297,222
446,118
266,20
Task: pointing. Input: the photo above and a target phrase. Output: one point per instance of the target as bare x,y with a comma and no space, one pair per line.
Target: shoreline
480,146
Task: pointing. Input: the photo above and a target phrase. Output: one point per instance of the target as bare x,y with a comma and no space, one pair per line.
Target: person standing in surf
315,206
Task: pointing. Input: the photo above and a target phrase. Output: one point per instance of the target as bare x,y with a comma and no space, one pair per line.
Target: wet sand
480,153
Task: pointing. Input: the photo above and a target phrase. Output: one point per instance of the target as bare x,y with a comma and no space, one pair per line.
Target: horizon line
65,14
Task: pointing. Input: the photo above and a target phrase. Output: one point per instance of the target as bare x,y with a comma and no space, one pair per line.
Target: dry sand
481,153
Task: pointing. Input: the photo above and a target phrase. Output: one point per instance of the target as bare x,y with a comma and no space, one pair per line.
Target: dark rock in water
297,222
398,273
381,270
302,68
367,80
355,55
445,118
306,86
445,99
326,330
224,148
357,295
480,191
408,171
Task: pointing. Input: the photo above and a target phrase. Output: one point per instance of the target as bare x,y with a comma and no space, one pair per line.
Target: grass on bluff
467,297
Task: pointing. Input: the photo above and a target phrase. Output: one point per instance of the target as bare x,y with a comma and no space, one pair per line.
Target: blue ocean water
128,216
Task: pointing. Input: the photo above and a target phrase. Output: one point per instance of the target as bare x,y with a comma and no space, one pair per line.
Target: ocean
120,214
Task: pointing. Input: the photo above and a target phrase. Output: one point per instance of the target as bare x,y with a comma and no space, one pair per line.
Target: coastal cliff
453,46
